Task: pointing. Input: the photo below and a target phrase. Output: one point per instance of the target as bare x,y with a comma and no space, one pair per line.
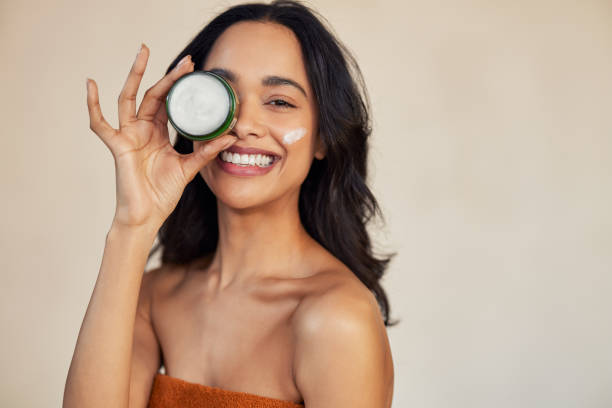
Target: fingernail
139,49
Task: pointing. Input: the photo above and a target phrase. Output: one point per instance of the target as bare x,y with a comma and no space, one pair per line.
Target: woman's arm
99,374
151,177
146,349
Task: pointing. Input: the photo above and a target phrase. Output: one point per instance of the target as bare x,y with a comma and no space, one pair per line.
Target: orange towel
170,392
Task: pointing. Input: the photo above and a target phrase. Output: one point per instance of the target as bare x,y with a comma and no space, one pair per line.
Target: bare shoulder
338,299
338,293
334,294
163,279
342,345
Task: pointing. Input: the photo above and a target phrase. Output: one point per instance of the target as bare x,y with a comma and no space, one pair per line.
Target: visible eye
281,103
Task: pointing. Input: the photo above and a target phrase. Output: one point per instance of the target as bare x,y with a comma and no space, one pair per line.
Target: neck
258,243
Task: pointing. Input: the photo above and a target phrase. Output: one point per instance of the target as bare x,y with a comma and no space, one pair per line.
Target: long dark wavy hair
335,204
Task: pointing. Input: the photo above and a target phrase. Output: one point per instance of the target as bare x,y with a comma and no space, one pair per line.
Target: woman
268,290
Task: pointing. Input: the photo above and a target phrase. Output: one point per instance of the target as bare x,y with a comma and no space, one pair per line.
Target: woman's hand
151,175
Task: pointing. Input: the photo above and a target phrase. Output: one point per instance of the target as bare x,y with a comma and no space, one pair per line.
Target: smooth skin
271,312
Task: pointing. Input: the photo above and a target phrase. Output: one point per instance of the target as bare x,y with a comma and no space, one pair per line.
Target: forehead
256,49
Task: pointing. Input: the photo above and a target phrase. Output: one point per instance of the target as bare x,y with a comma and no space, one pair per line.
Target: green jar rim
229,121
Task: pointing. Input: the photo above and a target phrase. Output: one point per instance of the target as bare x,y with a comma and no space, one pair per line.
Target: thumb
205,153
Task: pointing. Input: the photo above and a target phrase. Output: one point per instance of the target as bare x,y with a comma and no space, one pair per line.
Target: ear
320,149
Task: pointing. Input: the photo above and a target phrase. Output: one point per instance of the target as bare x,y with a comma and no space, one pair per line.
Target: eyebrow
271,80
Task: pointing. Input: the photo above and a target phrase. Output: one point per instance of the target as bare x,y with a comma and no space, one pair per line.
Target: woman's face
277,115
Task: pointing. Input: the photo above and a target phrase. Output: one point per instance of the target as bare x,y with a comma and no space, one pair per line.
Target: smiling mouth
245,160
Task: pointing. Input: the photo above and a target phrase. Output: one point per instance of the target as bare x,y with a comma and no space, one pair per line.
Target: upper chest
242,339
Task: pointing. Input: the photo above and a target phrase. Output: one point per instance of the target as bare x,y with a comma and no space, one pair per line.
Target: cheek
293,136
299,148
296,141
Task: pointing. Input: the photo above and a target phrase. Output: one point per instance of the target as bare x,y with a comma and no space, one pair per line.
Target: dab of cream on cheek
294,135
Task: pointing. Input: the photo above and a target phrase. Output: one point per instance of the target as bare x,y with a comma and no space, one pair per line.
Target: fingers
205,152
155,96
97,123
127,97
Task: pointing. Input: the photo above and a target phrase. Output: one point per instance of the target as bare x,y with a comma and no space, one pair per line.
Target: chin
241,201
250,192
241,196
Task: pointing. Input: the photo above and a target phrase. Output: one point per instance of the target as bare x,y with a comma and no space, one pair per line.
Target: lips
258,161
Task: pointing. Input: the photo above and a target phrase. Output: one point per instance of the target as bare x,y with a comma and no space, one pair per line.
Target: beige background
491,158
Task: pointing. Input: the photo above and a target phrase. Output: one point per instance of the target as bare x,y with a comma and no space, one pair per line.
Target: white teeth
260,160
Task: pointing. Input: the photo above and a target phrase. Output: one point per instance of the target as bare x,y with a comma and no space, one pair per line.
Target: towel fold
170,392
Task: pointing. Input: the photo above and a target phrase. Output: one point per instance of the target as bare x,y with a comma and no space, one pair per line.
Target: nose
248,122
